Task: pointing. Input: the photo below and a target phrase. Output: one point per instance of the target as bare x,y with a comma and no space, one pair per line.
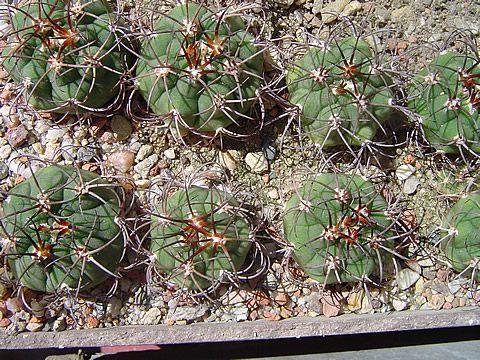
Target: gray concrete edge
255,330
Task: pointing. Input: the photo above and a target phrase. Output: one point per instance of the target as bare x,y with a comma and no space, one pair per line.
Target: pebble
143,152
226,160
121,127
402,13
188,313
143,167
5,151
439,287
410,185
114,306
34,326
3,174
436,302
240,312
152,317
352,8
354,300
257,162
399,304
312,302
86,153
406,278
331,11
170,154
13,305
270,282
330,306
16,136
403,172
55,133
10,118
455,285
121,160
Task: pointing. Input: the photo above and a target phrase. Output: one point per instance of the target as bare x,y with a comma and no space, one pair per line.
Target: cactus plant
199,67
446,96
338,227
66,56
462,245
343,95
200,237
59,230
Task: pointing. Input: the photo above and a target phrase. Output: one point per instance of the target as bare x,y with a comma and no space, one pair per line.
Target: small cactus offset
200,237
343,95
199,68
338,227
65,55
462,242
59,230
446,96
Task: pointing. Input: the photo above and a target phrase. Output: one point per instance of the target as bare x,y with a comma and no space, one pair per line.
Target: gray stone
257,162
143,167
144,151
55,134
399,304
114,306
410,185
440,287
312,302
403,172
269,149
86,153
188,313
455,285
406,278
152,317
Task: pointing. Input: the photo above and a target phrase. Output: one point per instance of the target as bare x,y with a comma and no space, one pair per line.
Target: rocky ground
264,166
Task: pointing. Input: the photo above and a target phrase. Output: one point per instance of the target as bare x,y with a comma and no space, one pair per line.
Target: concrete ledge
256,330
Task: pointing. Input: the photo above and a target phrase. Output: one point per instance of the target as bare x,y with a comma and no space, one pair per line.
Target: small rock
226,160
93,322
170,154
144,151
34,326
152,317
59,324
240,312
143,167
10,118
13,305
402,13
270,282
121,127
3,174
5,322
403,172
55,133
188,313
5,151
86,153
437,301
456,285
273,194
313,302
38,308
440,287
354,300
113,307
16,136
331,11
271,316
352,8
257,162
411,184
406,278
330,306
399,305
121,160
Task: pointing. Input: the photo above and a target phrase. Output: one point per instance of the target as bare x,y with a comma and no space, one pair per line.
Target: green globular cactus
446,96
65,55
200,237
462,245
343,95
338,227
200,68
59,230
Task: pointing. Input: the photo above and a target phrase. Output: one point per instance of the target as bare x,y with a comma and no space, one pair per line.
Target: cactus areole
59,230
199,236
199,68
337,226
65,55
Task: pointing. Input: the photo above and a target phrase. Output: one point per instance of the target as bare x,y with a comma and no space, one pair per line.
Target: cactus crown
342,93
199,67
66,56
59,230
338,228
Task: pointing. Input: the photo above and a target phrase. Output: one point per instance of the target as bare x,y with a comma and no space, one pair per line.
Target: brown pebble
270,316
448,305
330,306
16,136
34,326
96,126
93,322
121,160
121,127
437,301
409,159
5,322
281,299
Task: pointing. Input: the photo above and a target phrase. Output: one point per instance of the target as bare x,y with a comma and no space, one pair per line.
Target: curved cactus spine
199,69
66,56
60,230
339,228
